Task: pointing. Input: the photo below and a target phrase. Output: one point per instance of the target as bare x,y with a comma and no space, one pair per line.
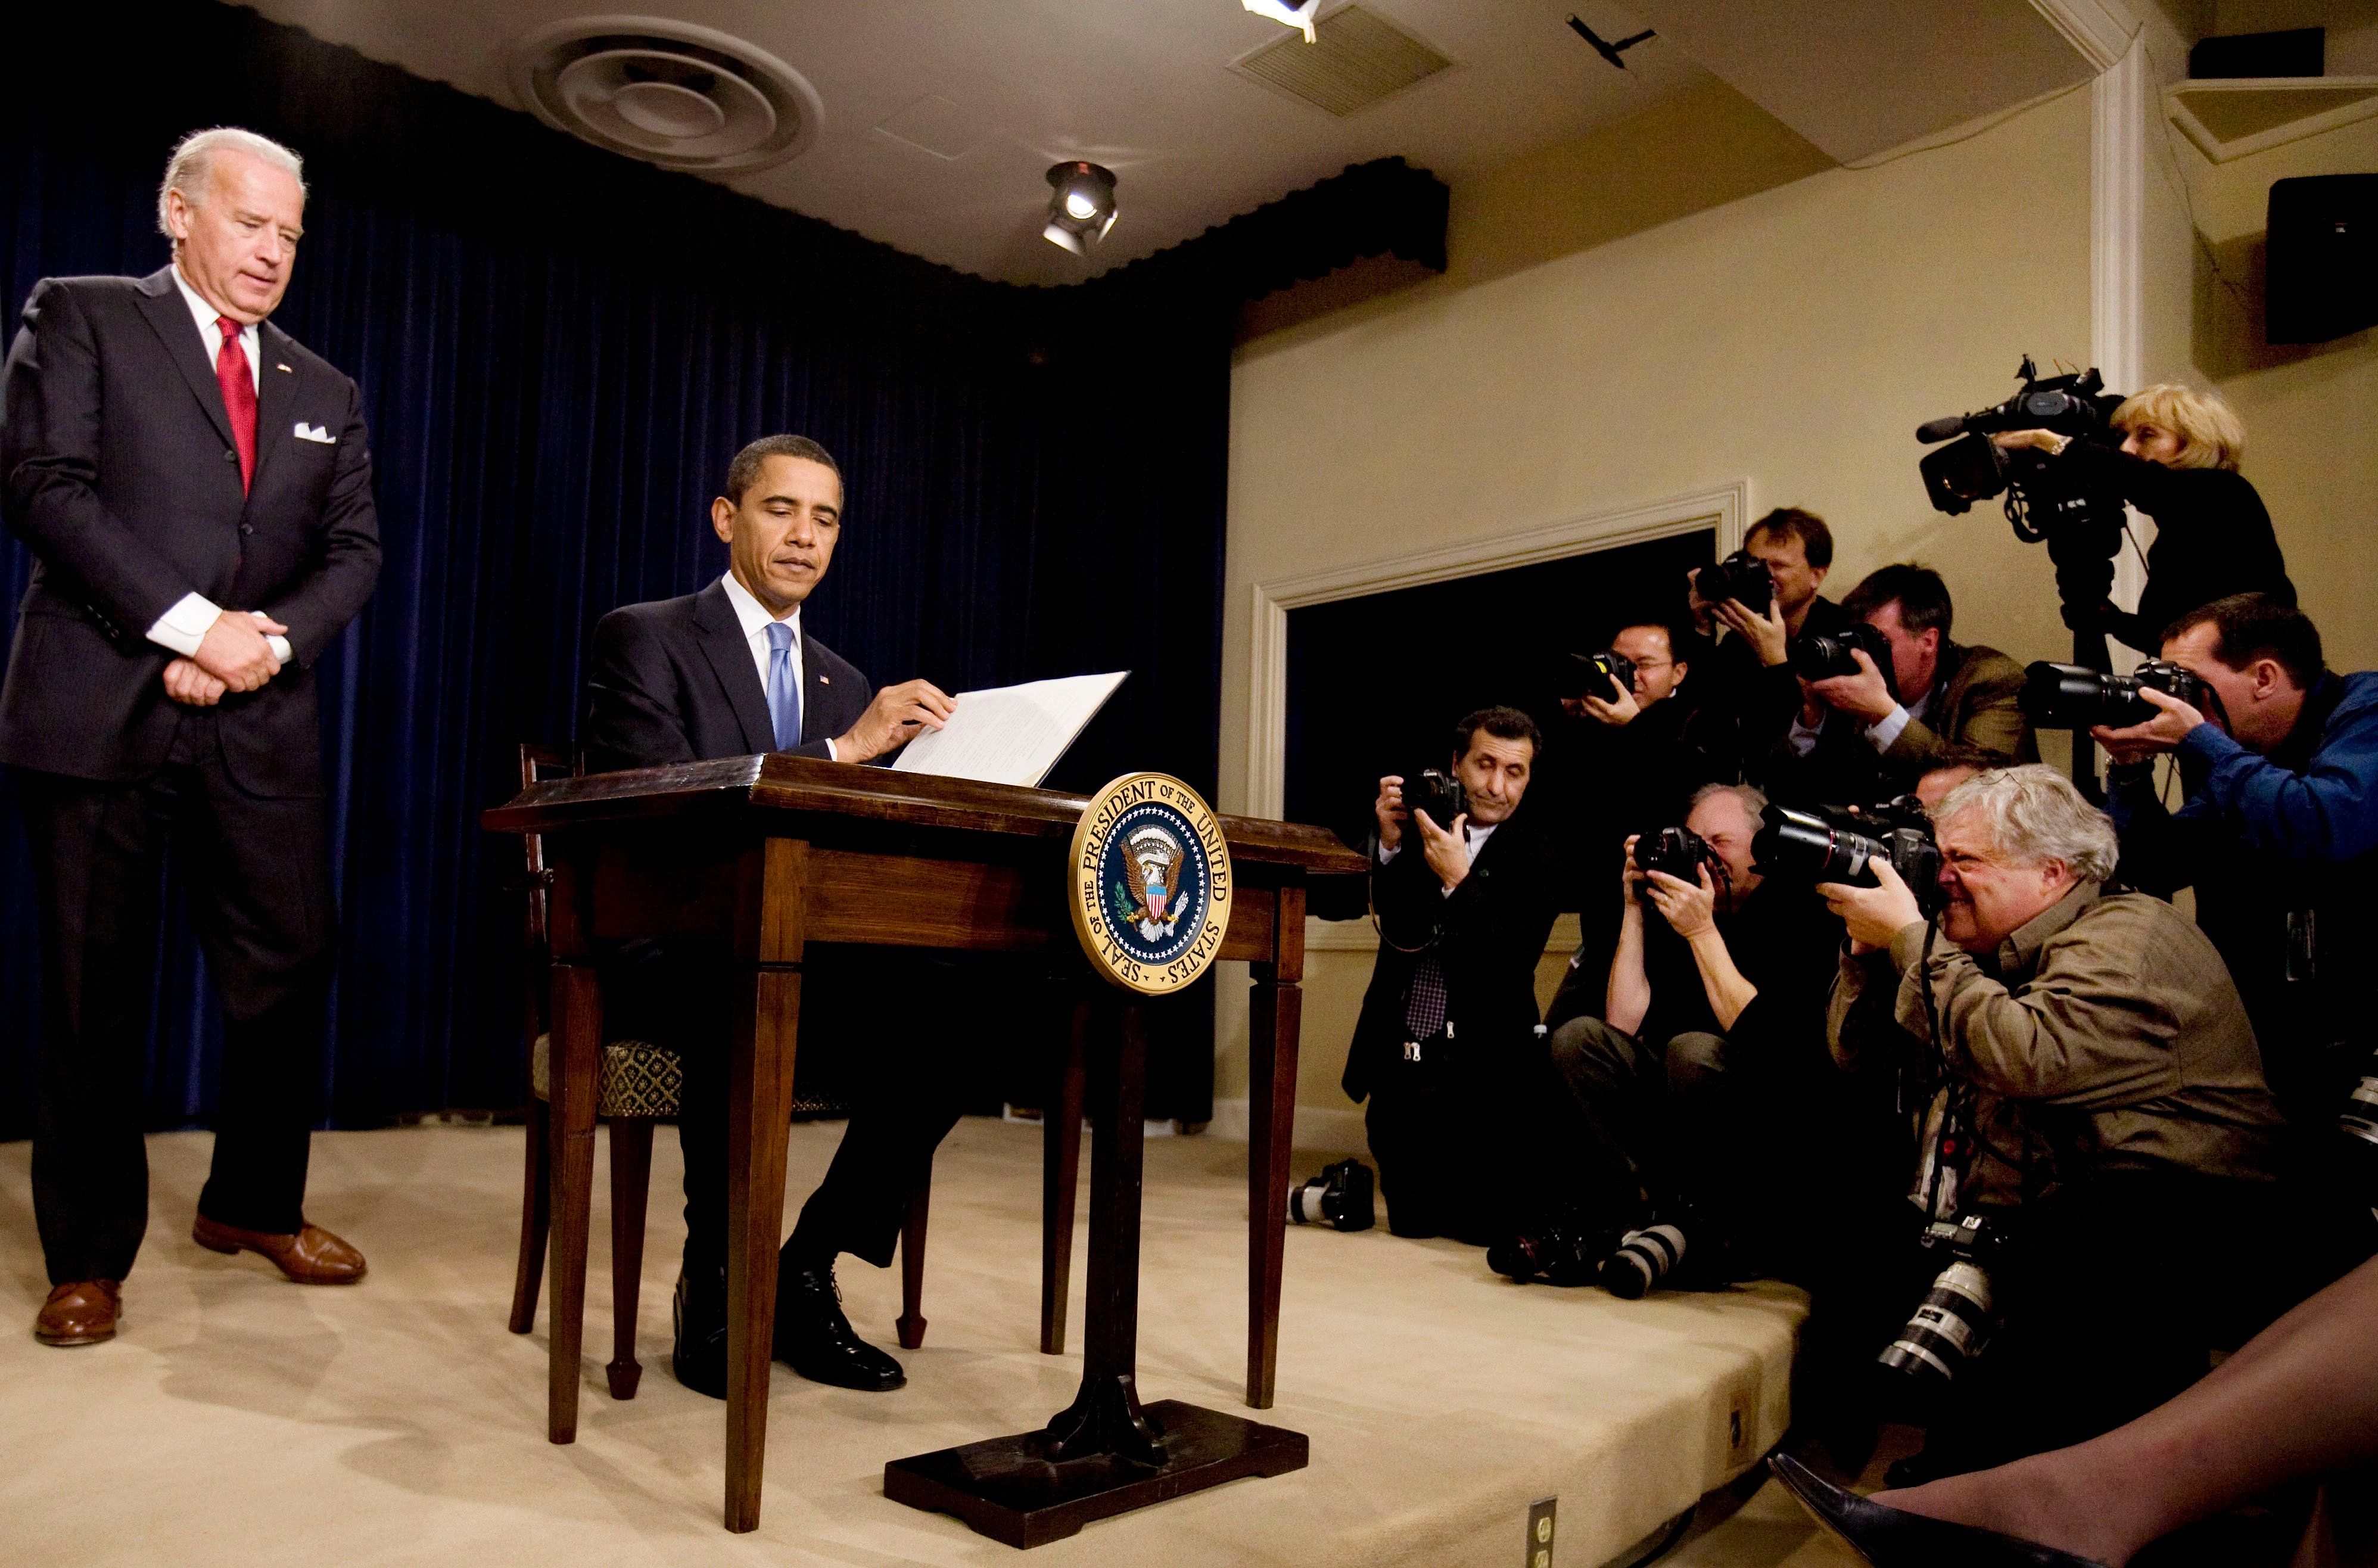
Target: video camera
2071,696
2044,499
1741,576
1835,844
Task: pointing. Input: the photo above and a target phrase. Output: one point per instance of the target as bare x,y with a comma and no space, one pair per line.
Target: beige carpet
242,1420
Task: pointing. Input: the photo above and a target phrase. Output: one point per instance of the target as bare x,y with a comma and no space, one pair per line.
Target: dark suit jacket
1490,933
117,467
673,681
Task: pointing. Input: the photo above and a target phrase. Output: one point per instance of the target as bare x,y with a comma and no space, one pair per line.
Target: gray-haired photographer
2104,1151
2277,831
1464,898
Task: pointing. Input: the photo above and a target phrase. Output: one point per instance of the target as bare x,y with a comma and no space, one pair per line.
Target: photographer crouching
1464,899
2102,1167
1712,1003
2278,834
1891,694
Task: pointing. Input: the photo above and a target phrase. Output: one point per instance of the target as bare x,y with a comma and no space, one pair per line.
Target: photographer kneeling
2106,1116
1447,1033
2178,464
1712,1003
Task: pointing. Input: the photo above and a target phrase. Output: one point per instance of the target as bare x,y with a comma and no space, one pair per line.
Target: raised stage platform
242,1420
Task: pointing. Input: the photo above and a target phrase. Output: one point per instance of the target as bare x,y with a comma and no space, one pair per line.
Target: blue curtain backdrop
559,352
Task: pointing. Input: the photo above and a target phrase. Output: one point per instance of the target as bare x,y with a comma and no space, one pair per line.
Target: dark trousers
1653,1124
1456,1136
910,1083
256,875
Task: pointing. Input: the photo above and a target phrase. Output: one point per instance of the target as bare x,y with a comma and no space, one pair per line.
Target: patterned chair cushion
639,1078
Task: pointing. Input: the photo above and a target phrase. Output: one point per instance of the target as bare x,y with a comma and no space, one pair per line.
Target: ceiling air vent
669,92
1357,57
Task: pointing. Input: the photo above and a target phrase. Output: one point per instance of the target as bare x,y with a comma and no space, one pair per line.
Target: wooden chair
643,1084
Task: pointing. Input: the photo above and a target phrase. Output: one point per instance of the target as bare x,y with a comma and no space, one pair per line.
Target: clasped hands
232,656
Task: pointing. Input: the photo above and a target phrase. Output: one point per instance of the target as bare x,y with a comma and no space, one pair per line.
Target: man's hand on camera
2047,441
1873,915
2164,732
1866,694
1447,849
1766,634
1617,710
896,716
1389,809
1689,910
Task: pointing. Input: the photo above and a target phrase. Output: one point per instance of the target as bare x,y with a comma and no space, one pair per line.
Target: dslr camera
1340,1198
2072,696
1681,852
1821,656
1832,844
1438,794
1741,576
1598,673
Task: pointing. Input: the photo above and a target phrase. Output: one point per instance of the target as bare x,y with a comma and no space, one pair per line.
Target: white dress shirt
184,627
755,621
1884,730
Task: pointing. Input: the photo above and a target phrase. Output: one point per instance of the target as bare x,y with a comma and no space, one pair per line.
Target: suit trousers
255,873
907,1097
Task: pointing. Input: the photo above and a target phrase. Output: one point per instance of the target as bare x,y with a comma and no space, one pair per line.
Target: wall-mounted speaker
2319,278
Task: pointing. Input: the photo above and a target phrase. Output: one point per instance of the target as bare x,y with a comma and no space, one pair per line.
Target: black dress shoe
814,1339
699,1310
1890,1538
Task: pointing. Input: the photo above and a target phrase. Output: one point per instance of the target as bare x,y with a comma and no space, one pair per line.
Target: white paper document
1010,734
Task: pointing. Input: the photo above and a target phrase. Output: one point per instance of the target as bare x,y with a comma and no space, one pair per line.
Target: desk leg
577,1034
1277,1010
759,1104
1061,1166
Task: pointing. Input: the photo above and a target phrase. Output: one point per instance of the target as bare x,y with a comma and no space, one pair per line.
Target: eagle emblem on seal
1151,898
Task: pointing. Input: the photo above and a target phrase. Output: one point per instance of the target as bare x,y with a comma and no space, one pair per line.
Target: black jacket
2213,539
673,681
117,467
1488,934
1759,701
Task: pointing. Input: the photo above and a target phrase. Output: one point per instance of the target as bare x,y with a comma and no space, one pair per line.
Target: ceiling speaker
669,92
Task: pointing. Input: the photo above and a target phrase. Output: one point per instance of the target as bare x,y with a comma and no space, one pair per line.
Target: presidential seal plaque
1150,883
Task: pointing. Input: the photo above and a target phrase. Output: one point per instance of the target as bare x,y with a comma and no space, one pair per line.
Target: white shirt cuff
274,640
1884,730
184,627
1803,739
1389,852
831,754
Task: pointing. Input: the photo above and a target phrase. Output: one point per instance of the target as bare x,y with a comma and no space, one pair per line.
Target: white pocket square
314,433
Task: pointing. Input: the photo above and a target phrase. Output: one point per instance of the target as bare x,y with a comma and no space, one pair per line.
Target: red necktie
239,397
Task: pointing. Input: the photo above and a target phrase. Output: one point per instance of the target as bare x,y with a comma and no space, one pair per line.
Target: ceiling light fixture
1298,16
1082,208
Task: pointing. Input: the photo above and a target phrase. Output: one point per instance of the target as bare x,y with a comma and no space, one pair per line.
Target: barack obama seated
725,673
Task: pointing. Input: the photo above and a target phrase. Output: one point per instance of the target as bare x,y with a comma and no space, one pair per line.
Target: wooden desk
770,854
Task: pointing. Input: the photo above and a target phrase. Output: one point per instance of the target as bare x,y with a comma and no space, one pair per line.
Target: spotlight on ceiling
1082,208
1299,17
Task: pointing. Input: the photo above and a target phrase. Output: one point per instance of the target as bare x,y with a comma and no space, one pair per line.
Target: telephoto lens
1644,1258
2074,696
1562,1252
1340,1197
1811,847
1741,576
1951,1326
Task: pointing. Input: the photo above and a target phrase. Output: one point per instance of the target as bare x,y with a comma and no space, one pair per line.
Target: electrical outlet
1540,1533
1737,1430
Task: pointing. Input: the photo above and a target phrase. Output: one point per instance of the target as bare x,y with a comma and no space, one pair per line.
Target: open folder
1010,734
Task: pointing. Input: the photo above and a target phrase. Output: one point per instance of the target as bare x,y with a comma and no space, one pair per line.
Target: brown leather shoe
79,1312
313,1256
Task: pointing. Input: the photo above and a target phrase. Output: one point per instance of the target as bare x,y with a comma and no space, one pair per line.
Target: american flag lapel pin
825,679
278,366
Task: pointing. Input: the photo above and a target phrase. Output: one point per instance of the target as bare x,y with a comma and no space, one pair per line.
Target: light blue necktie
784,687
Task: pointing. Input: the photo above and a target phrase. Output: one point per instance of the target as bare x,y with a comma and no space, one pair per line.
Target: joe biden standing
195,492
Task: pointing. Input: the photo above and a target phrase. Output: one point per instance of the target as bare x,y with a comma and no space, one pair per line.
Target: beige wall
1791,338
